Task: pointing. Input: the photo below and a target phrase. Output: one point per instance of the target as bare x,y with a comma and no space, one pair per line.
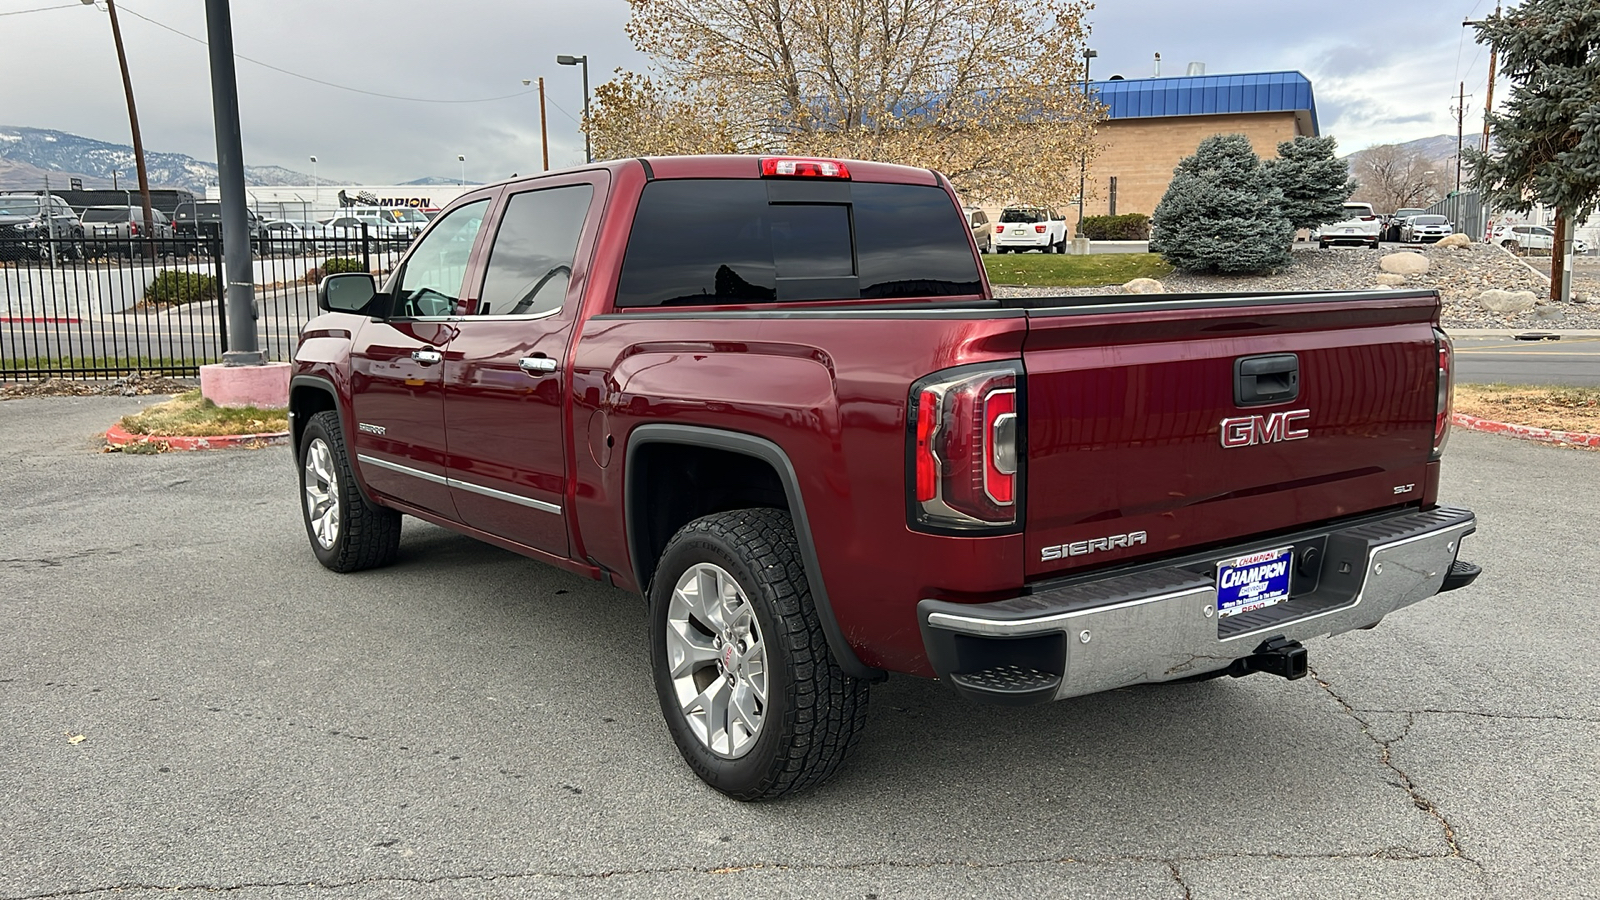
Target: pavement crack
1172,867
1534,717
1418,799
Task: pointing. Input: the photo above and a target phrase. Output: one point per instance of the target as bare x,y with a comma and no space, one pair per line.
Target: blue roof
1199,95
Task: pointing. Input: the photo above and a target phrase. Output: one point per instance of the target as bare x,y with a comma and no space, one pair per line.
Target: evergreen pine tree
1221,212
1315,185
1545,146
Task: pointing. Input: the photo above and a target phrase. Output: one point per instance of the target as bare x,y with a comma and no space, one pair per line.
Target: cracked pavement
189,704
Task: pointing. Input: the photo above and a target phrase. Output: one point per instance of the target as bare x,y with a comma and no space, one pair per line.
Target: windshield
1403,213
107,214
405,215
19,206
1429,220
1022,216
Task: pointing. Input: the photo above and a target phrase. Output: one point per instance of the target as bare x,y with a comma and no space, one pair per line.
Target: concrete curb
1526,432
117,436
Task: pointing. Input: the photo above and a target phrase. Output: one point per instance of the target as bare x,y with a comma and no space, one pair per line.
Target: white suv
1522,238
399,224
1360,226
1024,228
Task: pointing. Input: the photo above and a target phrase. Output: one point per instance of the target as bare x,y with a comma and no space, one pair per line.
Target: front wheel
347,533
752,696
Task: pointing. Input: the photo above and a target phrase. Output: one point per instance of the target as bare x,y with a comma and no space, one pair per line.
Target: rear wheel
751,694
347,533
1512,246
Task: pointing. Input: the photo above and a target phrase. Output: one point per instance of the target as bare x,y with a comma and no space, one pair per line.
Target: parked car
1359,226
119,230
399,224
978,220
773,396
33,226
203,218
1023,228
1393,221
287,237
1425,229
349,232
1530,238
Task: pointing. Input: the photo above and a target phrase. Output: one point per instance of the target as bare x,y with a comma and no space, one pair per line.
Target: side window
430,284
531,263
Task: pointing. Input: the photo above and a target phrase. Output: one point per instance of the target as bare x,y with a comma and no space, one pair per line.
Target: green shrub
1222,213
177,288
336,264
1127,227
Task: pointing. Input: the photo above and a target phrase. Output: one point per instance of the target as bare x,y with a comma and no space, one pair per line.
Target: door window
430,284
531,263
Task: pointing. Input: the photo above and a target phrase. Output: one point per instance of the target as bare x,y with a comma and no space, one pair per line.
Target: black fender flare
319,383
773,455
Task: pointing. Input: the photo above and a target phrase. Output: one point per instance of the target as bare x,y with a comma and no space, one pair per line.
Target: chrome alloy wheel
321,482
718,660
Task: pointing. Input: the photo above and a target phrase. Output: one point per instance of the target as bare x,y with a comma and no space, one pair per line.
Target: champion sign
1253,582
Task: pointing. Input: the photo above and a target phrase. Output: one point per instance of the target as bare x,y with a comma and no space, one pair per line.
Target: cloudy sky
1382,72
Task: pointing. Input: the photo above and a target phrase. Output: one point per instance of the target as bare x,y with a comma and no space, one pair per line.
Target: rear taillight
1039,228
964,470
133,228
999,229
1369,218
1442,401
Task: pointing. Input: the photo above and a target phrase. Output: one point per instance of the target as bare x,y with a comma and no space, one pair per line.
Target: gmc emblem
1244,431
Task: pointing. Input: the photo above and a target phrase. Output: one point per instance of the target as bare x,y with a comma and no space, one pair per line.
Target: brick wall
1141,153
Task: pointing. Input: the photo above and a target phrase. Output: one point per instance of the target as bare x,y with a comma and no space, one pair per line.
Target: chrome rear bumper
1159,622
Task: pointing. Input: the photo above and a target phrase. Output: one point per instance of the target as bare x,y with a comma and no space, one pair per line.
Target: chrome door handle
537,365
427,357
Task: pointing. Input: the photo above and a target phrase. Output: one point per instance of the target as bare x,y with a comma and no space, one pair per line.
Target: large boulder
1144,286
1404,263
1391,279
1507,302
1456,241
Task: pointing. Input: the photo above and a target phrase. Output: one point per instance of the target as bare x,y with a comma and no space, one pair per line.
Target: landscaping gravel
1461,275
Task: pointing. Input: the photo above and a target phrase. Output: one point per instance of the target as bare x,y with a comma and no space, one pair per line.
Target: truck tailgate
1162,425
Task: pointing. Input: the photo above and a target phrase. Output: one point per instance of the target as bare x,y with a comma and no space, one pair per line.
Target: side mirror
350,292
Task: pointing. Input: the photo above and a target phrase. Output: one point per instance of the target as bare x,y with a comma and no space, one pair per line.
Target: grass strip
191,415
1094,270
1557,408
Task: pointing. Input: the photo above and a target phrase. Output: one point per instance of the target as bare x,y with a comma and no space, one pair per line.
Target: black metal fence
85,309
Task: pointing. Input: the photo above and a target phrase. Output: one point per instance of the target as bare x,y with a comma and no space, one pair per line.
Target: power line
340,87
18,12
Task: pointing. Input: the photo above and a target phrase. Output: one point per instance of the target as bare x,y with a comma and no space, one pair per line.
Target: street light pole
316,189
1083,160
588,154
463,160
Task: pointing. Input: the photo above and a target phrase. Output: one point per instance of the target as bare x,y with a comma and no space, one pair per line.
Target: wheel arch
312,394
755,461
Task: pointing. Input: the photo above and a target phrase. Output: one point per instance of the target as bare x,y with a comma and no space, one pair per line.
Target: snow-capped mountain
34,152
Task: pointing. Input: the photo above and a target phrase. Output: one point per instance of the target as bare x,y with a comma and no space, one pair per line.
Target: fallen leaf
76,739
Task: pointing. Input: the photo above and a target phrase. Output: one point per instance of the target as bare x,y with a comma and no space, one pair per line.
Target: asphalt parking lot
191,704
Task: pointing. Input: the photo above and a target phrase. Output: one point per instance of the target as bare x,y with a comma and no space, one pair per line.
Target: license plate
1349,231
1019,231
1253,582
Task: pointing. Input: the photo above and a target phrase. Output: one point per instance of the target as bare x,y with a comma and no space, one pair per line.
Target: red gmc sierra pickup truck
776,397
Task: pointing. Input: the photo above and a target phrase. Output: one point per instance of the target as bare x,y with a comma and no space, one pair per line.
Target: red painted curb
1526,432
117,436
41,320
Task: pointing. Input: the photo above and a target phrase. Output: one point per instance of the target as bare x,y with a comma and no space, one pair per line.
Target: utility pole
1461,112
544,134
133,122
1488,107
244,344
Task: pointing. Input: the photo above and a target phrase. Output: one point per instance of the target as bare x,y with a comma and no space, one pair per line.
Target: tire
1512,247
762,636
1322,245
347,533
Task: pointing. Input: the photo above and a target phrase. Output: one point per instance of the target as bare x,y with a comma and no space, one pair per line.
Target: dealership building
315,202
1153,123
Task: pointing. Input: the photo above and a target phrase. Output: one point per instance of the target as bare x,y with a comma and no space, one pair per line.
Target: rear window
704,242
198,211
1023,216
1428,220
1357,209
106,215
